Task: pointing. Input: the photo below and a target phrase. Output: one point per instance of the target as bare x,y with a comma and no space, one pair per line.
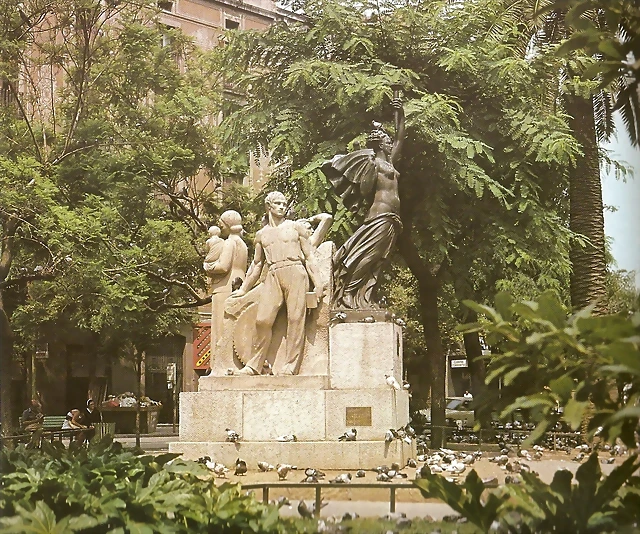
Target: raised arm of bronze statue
367,178
400,133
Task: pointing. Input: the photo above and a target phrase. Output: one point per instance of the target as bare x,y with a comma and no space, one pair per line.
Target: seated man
32,417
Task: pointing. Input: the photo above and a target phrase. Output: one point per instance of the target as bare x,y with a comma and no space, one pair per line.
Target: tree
484,162
616,46
102,220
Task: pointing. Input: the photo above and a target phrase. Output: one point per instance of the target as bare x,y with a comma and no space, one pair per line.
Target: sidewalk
435,510
156,442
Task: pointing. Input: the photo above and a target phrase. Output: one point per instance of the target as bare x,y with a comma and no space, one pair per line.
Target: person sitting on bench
32,418
73,421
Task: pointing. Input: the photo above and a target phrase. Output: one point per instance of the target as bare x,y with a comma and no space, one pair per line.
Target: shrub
106,488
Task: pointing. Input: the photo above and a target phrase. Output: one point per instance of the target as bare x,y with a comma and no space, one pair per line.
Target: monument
303,351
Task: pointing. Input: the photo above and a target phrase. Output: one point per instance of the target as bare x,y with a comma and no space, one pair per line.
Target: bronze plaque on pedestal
358,416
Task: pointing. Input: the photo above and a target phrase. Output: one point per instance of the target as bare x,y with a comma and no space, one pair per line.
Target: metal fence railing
318,486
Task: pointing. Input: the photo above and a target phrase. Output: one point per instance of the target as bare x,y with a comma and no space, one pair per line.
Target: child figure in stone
215,244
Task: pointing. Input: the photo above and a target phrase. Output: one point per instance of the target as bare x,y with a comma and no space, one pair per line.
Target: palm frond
603,115
628,103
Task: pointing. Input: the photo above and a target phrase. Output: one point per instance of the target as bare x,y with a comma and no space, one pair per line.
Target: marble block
346,409
362,353
263,382
269,414
204,415
312,415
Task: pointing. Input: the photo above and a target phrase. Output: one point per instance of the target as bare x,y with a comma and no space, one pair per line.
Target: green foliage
104,197
110,489
593,503
548,359
610,31
468,499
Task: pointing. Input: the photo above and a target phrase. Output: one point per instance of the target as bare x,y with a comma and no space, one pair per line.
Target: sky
623,225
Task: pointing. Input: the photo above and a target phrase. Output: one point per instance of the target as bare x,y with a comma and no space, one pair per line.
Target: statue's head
231,222
214,231
379,139
275,202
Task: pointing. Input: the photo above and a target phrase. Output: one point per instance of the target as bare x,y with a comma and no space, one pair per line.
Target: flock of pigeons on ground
445,462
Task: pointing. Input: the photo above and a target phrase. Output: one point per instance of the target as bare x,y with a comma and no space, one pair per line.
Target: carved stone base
312,415
318,454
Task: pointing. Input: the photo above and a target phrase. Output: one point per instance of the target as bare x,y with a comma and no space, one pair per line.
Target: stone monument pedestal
317,409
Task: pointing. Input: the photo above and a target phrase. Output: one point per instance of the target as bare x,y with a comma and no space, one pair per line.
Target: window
166,5
230,24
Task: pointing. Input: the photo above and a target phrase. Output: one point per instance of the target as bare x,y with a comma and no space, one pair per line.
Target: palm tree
545,23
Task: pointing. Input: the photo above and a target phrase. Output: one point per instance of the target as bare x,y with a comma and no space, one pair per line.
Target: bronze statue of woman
367,177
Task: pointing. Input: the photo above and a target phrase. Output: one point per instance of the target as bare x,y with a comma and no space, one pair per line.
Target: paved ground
368,502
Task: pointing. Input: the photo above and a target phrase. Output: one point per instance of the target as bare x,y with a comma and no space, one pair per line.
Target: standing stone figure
225,263
283,246
367,177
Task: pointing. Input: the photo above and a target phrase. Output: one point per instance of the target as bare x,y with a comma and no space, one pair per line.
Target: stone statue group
278,302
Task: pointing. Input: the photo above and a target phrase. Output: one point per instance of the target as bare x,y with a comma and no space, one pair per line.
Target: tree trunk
428,289
6,354
138,355
588,260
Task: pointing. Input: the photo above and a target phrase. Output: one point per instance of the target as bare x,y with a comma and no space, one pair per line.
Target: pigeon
287,437
390,435
340,316
232,435
220,470
392,382
204,459
283,470
383,477
311,472
344,478
360,473
350,516
304,510
395,466
607,460
349,435
310,479
412,463
512,479
424,471
241,467
307,512
401,323
280,502
579,457
267,368
405,385
368,319
490,482
264,467
381,469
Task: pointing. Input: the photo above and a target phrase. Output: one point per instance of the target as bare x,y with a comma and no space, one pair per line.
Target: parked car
458,412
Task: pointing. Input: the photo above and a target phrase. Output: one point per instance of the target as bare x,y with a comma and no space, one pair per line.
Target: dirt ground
546,467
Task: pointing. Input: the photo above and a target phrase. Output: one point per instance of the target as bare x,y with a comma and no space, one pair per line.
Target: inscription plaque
358,416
